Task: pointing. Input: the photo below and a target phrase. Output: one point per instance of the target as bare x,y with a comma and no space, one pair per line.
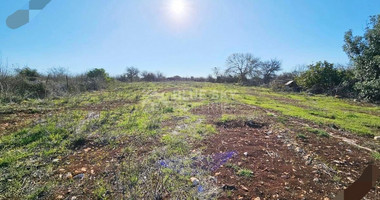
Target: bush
321,77
97,73
30,89
97,79
28,83
30,74
346,86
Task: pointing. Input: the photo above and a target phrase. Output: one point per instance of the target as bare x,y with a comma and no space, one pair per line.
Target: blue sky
151,35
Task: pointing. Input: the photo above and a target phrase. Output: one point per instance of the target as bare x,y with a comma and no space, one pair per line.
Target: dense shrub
28,83
97,79
98,73
346,86
321,77
27,73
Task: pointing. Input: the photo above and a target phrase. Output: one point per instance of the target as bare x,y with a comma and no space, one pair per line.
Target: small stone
229,187
244,188
298,150
217,173
245,153
79,176
73,198
316,180
61,170
59,197
257,198
213,179
194,180
326,198
377,138
68,175
269,132
83,169
56,160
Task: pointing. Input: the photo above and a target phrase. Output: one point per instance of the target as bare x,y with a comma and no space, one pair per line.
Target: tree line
360,79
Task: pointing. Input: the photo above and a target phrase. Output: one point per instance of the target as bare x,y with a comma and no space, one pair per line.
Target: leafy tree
241,65
98,79
98,73
364,52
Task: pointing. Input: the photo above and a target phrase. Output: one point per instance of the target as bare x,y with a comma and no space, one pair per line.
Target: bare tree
241,65
269,69
299,69
148,76
57,73
160,76
57,81
132,74
216,72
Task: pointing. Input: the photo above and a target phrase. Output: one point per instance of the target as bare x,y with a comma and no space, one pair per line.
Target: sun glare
178,9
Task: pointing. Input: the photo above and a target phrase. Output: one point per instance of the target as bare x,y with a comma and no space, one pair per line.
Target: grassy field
179,140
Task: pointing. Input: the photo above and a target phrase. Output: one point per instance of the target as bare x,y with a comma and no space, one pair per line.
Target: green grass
376,155
240,171
245,173
227,118
320,133
100,190
319,109
233,166
301,136
137,120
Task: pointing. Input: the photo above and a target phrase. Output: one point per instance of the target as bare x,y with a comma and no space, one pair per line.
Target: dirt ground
286,161
284,166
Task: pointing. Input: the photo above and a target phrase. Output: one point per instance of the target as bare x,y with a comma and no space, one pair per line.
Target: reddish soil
94,161
14,120
284,166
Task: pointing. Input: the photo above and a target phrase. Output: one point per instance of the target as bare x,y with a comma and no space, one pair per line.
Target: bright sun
178,9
